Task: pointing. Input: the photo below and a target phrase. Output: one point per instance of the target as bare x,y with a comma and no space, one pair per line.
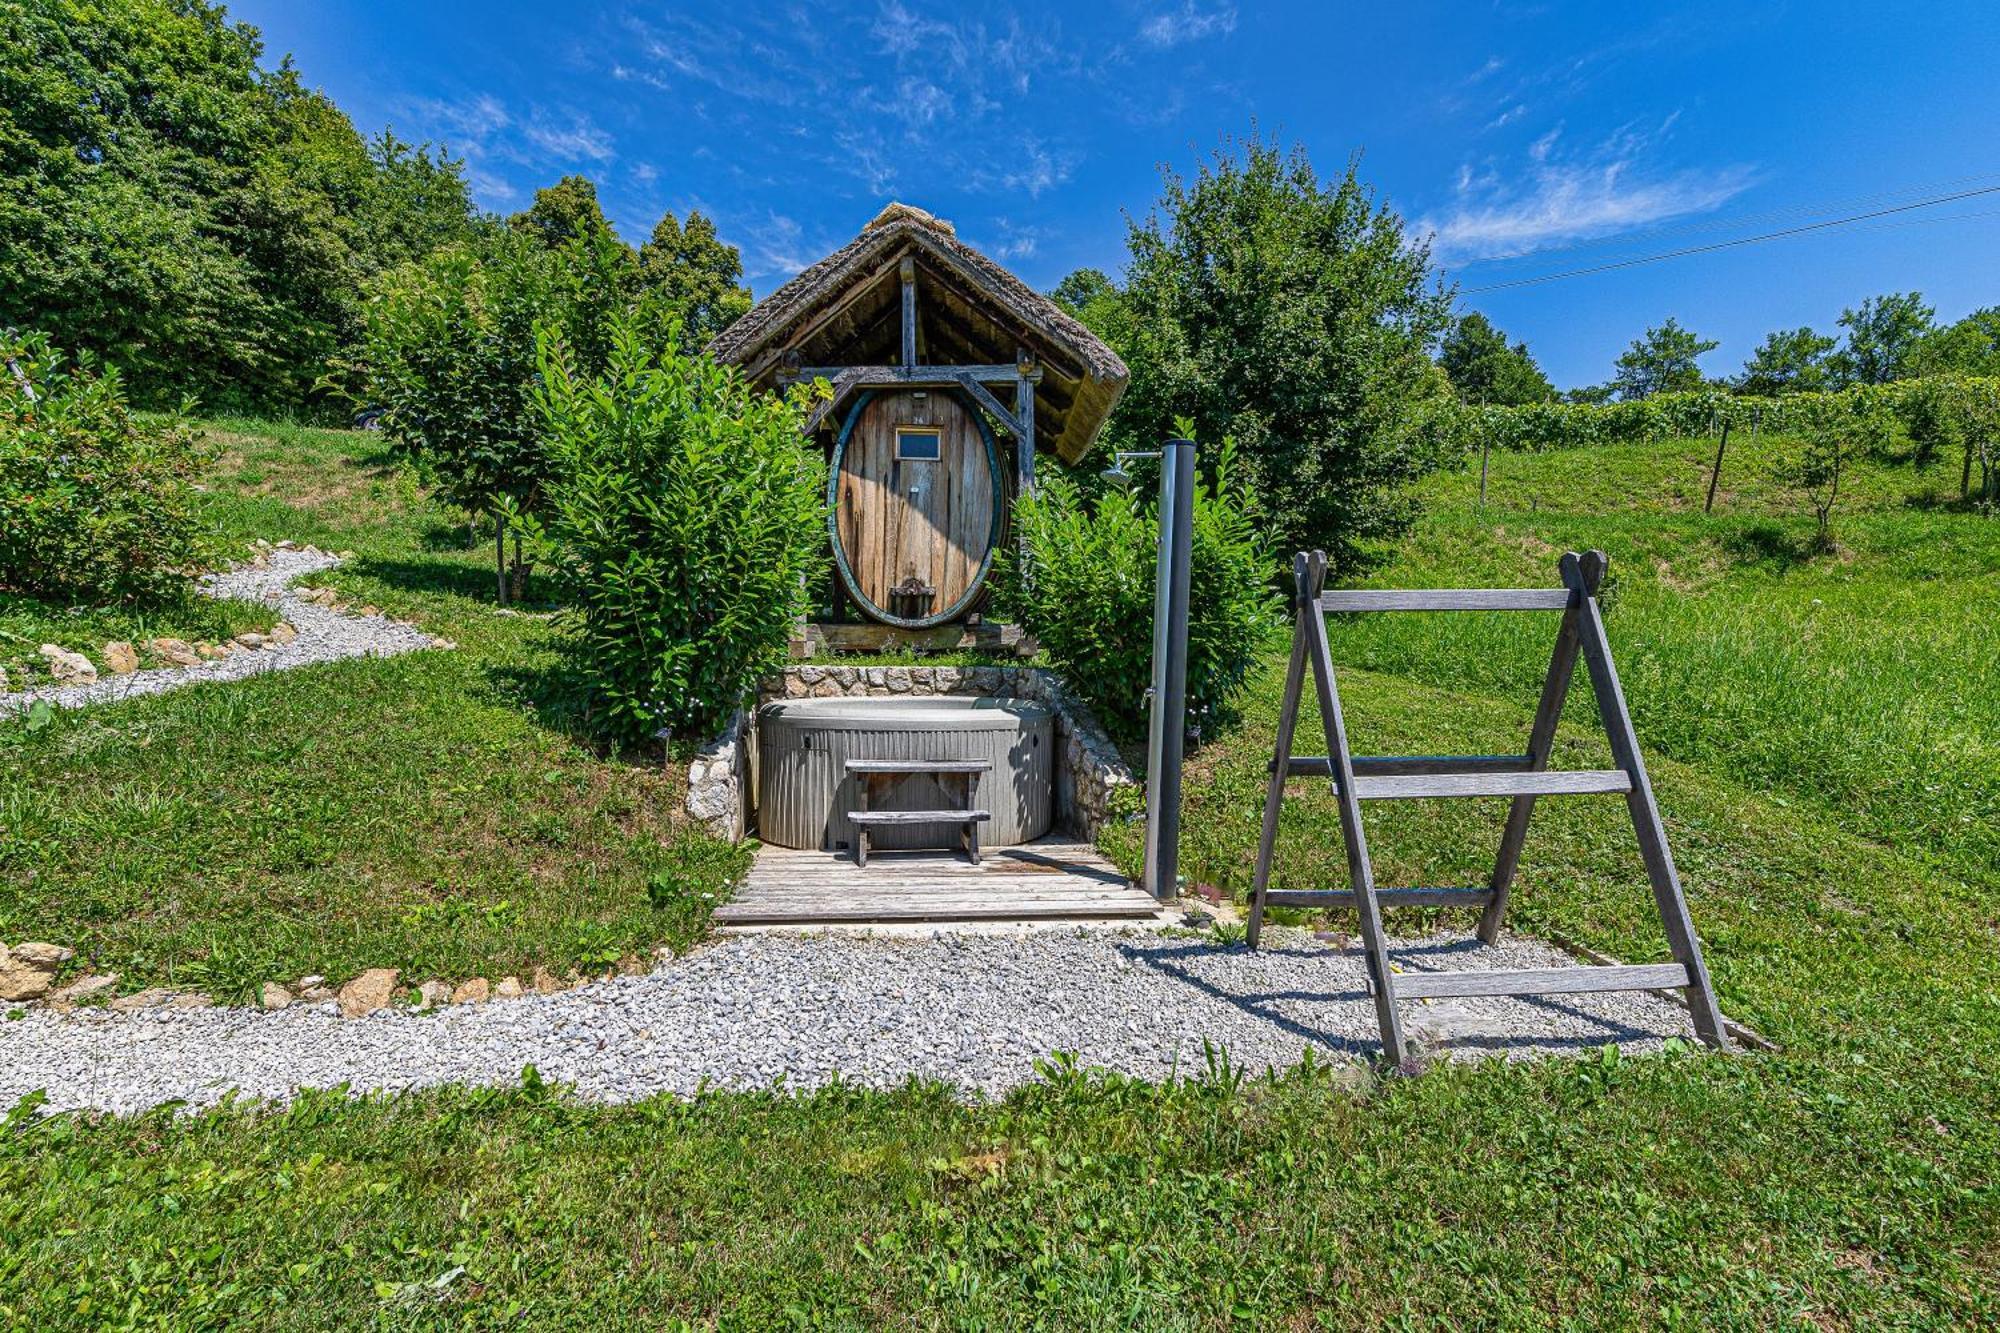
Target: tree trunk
500,558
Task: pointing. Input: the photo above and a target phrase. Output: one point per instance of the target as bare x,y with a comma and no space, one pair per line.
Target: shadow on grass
558,696
455,578
1769,543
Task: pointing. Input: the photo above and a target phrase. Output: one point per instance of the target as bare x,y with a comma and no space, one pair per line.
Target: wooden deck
1041,881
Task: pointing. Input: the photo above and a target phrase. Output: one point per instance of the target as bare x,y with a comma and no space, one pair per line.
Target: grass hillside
1823,740
440,812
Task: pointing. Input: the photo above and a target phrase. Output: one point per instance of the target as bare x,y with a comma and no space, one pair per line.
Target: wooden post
908,272
1485,451
1026,376
1541,740
1360,870
1281,759
1716,475
1579,575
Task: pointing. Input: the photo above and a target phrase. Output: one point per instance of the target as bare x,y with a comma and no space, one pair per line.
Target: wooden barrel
915,503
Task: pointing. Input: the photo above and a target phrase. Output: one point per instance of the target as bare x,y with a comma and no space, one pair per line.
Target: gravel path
324,636
975,1011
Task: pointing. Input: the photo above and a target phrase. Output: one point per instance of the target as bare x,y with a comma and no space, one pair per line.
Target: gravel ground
752,1011
324,636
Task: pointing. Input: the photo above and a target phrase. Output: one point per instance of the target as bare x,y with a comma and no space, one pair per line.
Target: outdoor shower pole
1167,726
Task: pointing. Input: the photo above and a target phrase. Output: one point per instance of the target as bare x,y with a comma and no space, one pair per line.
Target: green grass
1826,774
440,812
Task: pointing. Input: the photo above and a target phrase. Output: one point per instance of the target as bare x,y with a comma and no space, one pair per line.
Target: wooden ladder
1520,776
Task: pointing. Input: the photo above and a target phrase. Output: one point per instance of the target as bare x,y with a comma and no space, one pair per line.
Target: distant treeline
1940,416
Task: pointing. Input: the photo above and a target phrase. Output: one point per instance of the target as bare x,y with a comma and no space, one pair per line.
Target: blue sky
1526,138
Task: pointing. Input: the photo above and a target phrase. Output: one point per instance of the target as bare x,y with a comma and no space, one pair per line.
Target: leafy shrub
95,506
685,519
1086,592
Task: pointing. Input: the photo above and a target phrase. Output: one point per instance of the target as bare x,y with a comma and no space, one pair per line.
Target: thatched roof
846,310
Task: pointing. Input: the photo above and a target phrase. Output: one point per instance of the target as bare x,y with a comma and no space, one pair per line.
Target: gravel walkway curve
324,635
751,1011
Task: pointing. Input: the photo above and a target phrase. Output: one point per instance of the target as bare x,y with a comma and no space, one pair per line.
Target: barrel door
915,505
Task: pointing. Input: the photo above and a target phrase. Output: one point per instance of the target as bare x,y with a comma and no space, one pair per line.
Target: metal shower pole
1167,725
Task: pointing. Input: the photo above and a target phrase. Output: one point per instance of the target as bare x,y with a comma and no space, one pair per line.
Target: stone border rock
323,632
1089,773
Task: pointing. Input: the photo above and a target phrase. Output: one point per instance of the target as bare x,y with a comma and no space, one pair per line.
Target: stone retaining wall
1089,770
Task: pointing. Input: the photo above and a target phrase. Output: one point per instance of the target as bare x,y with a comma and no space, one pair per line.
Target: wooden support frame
1523,777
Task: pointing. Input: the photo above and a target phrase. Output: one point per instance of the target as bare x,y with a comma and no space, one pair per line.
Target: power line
1730,244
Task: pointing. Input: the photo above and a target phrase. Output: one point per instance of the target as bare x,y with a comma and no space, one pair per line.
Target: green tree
1883,334
1077,292
696,275
562,212
1590,393
450,355
1484,368
1788,361
1294,316
1831,432
1666,360
200,222
1969,347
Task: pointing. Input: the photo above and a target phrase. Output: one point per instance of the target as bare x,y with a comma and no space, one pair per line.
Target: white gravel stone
323,635
751,1011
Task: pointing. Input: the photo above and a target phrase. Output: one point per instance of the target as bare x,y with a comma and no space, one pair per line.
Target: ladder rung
1317,765
1446,599
1385,897
1577,782
1539,981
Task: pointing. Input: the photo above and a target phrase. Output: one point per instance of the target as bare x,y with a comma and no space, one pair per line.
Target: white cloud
1571,197
573,138
1189,23
1043,170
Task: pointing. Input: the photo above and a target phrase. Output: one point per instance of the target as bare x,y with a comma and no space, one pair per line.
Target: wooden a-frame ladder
1520,776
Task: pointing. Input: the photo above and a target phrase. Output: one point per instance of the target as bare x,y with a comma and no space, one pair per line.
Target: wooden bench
968,819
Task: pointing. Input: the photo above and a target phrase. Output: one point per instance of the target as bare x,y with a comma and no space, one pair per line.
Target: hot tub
804,793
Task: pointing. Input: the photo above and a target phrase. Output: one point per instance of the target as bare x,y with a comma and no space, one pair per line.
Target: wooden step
919,816
1386,897
1446,599
1540,981
1577,782
919,766
1369,766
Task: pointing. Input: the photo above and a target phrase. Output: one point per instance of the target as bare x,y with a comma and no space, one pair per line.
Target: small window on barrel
918,444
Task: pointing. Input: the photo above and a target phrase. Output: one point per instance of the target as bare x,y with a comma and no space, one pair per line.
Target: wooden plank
1575,782
918,766
1540,981
1579,573
862,914
882,377
1317,766
1445,599
1385,897
919,816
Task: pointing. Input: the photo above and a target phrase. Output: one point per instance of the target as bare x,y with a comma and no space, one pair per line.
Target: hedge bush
685,519
96,506
1085,590
1938,414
